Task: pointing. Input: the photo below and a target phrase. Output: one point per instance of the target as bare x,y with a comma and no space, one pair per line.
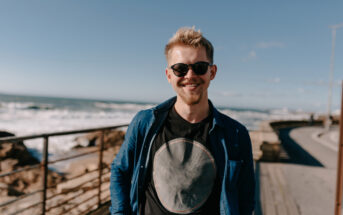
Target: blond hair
190,37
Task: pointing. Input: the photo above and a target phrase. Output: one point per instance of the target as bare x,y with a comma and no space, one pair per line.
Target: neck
192,113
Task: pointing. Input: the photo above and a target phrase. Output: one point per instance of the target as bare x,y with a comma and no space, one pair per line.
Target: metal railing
102,170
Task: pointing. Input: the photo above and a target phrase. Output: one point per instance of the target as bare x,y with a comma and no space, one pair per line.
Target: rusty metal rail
44,169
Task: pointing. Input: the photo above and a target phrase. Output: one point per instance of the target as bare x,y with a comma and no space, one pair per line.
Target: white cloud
262,45
266,45
252,54
274,80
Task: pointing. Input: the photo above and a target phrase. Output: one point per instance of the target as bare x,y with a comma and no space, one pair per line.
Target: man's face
191,88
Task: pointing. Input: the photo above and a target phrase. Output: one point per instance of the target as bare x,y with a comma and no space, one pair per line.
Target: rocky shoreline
63,185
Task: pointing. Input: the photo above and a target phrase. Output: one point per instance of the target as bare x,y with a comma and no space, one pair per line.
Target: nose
190,73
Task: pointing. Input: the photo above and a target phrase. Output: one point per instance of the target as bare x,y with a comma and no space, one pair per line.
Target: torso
182,176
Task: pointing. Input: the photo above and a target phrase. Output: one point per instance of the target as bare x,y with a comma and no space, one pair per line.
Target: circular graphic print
184,172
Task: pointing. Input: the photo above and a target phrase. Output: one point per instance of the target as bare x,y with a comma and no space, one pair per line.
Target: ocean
26,115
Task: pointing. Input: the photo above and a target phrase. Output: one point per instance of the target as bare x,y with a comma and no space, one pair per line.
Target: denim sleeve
121,172
246,192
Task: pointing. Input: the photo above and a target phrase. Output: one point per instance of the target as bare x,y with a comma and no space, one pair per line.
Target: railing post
44,172
101,149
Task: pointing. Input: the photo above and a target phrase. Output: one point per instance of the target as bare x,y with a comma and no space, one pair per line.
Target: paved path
305,179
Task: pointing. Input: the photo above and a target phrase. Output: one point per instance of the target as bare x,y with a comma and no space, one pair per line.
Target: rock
111,139
114,138
8,165
6,134
30,180
14,151
88,140
14,155
6,190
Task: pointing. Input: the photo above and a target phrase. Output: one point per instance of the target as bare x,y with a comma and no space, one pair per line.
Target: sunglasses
199,68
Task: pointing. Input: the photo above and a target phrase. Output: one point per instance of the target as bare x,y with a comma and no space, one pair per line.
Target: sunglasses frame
182,74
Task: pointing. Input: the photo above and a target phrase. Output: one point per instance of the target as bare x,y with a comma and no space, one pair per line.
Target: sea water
26,115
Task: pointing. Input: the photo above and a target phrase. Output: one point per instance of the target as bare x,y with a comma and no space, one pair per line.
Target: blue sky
270,54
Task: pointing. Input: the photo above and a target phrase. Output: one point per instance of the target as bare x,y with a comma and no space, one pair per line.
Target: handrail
52,134
72,157
45,162
20,170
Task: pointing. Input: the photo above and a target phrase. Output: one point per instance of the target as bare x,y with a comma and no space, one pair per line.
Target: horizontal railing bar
106,197
23,209
19,198
39,165
105,180
87,211
20,170
72,157
67,200
76,205
53,186
14,139
76,187
105,190
69,179
96,211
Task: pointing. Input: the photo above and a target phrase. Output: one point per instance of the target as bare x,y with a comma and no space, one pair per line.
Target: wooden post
101,149
339,187
44,172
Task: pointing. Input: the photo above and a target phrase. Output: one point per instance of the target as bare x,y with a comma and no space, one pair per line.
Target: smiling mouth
190,85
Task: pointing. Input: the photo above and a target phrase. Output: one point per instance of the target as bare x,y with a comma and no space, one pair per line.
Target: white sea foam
124,106
15,105
252,119
51,115
26,122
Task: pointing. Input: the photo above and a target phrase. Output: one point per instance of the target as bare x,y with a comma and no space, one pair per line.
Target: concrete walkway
304,180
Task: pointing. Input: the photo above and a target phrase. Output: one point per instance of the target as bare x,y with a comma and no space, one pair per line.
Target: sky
269,54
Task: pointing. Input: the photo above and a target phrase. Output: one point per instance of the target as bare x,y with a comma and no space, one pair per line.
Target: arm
246,181
121,172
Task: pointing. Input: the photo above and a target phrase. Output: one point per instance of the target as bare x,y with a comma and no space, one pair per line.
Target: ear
168,75
213,71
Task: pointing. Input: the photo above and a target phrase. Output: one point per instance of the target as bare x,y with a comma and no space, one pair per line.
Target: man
183,156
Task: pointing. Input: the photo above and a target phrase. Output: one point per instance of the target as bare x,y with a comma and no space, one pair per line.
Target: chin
191,100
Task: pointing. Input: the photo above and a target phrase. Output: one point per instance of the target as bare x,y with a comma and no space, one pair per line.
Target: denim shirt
230,145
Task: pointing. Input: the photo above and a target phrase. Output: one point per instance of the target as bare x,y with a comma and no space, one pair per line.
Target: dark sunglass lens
180,69
200,68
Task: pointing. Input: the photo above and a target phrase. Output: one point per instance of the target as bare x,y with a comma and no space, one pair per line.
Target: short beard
192,100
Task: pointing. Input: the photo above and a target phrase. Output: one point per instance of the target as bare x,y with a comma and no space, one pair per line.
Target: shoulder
146,117
142,119
143,115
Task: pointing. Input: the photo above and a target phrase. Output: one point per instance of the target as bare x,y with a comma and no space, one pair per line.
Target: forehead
186,54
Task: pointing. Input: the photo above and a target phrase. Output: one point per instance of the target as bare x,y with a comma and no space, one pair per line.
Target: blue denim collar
168,104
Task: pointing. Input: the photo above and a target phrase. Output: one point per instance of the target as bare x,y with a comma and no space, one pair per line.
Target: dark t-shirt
182,175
